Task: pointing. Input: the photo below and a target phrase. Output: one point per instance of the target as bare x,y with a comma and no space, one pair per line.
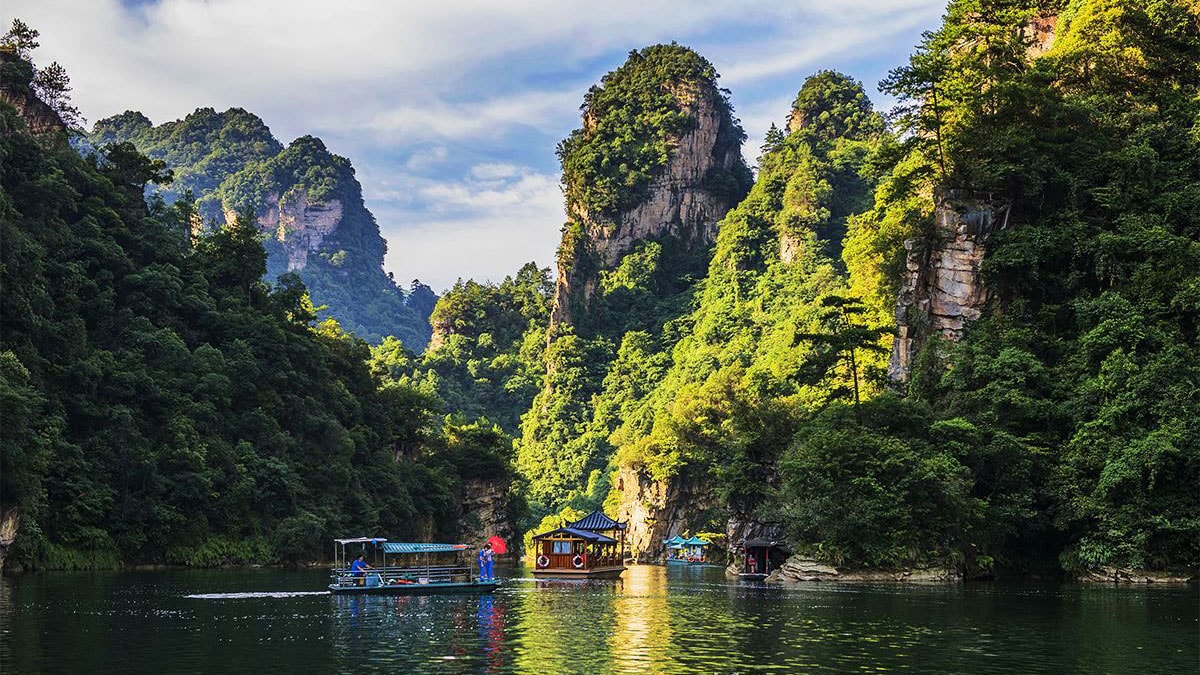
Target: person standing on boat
487,558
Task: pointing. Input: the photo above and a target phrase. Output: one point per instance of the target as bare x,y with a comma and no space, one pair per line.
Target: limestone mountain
653,168
305,200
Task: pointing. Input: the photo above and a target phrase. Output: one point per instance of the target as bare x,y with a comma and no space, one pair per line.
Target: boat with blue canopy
687,551
404,568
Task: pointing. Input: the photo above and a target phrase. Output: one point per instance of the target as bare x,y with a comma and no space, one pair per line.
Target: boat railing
420,574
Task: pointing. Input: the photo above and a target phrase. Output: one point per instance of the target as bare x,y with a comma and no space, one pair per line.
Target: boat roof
586,535
361,540
419,547
596,520
697,541
675,542
760,543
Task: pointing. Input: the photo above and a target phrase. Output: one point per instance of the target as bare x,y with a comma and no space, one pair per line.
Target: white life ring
577,561
543,561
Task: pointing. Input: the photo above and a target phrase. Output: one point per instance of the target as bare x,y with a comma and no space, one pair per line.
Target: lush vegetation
1059,433
630,121
623,316
485,360
162,403
229,162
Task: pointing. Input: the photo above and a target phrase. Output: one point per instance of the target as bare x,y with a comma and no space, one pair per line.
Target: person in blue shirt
487,558
359,567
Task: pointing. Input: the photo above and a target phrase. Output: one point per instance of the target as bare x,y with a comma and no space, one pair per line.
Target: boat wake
240,596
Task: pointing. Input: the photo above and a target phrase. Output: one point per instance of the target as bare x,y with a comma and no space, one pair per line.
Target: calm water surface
655,620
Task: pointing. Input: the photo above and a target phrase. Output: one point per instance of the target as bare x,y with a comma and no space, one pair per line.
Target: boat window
563,547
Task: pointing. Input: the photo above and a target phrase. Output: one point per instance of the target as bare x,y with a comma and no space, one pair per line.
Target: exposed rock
739,529
678,205
10,524
799,569
942,288
1040,32
484,512
1122,575
297,224
658,510
39,117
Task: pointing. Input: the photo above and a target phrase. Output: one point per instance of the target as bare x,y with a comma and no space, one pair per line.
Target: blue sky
450,111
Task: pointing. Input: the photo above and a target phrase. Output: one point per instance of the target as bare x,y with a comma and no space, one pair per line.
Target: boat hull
594,573
752,576
417,589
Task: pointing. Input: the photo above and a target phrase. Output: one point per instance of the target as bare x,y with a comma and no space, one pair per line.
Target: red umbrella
498,545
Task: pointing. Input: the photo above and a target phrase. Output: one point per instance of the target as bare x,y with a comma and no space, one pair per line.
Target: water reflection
654,620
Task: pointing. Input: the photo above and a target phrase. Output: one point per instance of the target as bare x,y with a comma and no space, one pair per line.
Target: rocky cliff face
299,226
679,204
10,524
657,510
15,77
942,289
484,512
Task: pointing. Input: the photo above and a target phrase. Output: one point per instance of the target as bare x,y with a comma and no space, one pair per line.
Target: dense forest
163,403
304,197
1058,431
959,334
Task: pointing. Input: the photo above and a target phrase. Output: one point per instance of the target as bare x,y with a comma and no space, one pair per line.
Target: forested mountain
967,338
163,403
304,198
655,165
962,335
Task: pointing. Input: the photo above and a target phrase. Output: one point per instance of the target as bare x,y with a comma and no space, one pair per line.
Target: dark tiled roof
760,543
582,534
596,520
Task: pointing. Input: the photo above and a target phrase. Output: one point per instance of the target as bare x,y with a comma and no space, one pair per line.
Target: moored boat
404,568
687,551
591,547
757,558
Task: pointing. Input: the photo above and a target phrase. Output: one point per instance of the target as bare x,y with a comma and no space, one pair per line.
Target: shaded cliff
305,199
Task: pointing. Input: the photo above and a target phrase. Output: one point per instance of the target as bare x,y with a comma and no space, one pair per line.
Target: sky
450,111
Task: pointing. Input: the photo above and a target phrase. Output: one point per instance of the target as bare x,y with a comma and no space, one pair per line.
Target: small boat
689,551
757,563
408,568
592,547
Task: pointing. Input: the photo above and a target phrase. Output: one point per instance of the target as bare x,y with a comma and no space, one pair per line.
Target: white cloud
497,218
449,111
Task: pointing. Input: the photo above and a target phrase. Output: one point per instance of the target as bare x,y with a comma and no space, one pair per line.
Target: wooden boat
412,569
589,548
689,551
757,561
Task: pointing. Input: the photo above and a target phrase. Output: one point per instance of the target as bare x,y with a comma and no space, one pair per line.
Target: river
654,620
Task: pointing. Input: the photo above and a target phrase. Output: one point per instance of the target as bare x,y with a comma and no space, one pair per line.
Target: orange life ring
577,561
543,561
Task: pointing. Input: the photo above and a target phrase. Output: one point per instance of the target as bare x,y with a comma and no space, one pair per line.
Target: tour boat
413,568
591,547
690,551
756,558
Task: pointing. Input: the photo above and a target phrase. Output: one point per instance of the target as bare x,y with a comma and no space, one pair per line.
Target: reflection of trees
562,625
642,637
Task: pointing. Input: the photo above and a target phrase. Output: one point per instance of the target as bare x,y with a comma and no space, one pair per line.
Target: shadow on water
654,620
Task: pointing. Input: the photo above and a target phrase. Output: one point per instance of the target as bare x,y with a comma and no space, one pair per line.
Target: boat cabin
593,546
687,551
760,557
404,567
